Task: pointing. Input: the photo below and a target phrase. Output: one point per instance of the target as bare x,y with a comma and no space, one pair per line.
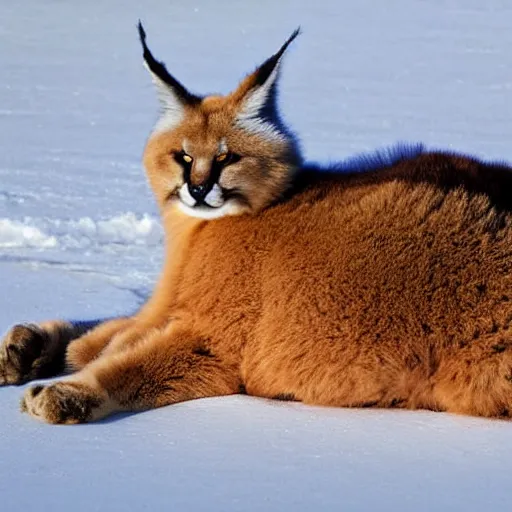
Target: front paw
21,354
63,403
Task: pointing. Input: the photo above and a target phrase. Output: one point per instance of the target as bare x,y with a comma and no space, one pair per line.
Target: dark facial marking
200,190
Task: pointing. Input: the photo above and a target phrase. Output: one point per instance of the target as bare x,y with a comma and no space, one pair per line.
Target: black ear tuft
159,70
265,70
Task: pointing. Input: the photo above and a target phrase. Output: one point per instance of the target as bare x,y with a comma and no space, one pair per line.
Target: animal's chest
219,280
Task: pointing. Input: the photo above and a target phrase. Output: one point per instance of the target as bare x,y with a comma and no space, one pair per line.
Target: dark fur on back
414,164
369,161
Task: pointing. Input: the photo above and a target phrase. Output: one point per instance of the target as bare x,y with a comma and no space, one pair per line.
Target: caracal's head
214,156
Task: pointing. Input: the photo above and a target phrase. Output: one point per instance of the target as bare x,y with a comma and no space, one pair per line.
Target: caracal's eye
227,158
182,158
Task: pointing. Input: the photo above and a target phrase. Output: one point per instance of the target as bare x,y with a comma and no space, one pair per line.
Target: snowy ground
79,239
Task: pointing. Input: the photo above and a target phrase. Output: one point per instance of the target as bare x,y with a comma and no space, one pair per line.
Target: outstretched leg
85,349
45,350
31,351
169,365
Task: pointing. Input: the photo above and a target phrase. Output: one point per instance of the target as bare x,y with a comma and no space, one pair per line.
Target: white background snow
79,238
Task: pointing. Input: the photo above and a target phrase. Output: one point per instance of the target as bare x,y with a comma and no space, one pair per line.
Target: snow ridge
42,233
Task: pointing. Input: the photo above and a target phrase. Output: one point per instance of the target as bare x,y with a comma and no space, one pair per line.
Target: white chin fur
230,207
186,197
216,208
214,197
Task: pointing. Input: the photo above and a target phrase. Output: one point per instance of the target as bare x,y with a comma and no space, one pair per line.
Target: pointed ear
256,94
172,94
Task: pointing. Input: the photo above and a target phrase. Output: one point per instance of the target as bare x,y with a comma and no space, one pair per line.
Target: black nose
198,192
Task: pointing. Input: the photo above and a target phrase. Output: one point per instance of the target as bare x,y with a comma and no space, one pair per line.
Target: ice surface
79,239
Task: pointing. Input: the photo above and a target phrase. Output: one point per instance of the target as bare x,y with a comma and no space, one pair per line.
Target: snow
79,238
20,234
244,453
43,233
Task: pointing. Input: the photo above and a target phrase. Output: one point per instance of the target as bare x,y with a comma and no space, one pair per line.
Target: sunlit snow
80,238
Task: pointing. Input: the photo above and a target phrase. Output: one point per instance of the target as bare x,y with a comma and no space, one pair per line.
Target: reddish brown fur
202,128
389,288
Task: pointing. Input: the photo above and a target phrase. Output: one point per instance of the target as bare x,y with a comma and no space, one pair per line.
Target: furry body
387,287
